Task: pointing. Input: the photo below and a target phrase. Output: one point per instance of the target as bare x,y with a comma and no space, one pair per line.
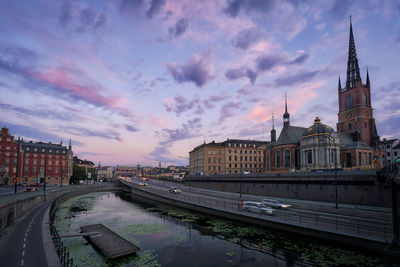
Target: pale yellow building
228,157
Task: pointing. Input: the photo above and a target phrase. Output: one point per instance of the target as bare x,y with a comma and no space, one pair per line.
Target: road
23,244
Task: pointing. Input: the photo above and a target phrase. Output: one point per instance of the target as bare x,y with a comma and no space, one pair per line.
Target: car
29,189
273,203
257,207
174,189
142,184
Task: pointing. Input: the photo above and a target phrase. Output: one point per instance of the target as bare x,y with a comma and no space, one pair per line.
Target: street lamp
62,176
240,173
333,136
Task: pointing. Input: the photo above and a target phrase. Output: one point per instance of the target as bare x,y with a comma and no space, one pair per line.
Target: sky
146,81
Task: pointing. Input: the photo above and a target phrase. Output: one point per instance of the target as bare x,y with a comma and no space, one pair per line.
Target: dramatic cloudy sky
142,81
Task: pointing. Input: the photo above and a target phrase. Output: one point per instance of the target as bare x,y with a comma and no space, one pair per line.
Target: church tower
355,111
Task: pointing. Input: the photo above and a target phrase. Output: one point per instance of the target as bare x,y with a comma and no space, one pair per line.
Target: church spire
69,146
367,78
286,116
339,84
273,131
353,71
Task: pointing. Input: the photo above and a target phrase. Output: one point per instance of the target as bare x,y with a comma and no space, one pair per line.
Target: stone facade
230,156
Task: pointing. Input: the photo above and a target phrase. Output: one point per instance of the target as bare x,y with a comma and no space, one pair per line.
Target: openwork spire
353,71
286,116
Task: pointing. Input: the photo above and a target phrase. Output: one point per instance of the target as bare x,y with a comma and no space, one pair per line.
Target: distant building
37,160
105,173
230,156
87,164
125,171
390,150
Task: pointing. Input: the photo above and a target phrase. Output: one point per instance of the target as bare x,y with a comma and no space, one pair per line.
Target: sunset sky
143,81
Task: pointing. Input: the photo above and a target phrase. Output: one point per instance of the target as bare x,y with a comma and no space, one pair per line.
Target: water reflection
169,236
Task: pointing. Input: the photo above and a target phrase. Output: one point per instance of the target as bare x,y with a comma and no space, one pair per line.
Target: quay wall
356,189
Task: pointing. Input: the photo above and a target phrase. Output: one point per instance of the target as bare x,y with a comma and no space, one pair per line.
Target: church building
319,147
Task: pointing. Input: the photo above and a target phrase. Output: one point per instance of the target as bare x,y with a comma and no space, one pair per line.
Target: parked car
275,203
174,189
142,184
29,189
257,207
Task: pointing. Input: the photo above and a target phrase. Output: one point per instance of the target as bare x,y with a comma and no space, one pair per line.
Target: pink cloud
296,100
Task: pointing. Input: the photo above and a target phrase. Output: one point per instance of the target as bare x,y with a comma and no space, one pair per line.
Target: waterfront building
228,157
37,160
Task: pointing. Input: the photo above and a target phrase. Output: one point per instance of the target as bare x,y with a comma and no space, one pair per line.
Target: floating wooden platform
109,243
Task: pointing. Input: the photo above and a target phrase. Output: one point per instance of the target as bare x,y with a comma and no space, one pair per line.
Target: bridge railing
360,227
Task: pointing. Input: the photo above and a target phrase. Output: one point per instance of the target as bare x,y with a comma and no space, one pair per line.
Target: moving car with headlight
174,189
29,189
275,203
142,184
257,207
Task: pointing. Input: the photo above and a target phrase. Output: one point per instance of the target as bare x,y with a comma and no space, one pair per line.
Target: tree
78,173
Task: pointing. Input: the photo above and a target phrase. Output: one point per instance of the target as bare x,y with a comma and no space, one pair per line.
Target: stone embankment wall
352,188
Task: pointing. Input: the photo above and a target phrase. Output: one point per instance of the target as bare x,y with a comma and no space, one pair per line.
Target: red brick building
37,161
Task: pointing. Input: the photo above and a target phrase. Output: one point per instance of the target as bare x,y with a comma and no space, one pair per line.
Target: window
230,158
26,169
7,161
27,161
255,158
388,154
395,153
364,99
309,156
27,149
370,159
387,146
350,126
278,159
349,102
359,158
287,158
34,162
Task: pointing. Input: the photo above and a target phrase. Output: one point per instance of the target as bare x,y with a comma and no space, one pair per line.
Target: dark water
170,236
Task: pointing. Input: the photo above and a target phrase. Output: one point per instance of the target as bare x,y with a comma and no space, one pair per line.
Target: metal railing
342,224
10,198
63,254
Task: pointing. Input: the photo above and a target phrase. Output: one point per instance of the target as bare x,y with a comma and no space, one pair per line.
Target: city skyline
146,81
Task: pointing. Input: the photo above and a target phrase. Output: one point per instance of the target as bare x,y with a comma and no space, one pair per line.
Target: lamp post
240,173
17,172
332,138
62,176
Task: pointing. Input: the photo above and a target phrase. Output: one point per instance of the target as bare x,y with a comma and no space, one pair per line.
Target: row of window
349,101
245,158
43,156
241,145
41,170
214,160
35,149
245,165
49,162
245,152
8,139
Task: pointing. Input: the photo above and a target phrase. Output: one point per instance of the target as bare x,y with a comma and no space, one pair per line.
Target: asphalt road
23,244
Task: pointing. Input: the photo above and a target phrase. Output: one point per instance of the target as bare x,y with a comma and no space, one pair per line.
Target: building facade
228,157
37,162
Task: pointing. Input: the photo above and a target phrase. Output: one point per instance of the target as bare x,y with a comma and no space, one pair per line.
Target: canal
170,236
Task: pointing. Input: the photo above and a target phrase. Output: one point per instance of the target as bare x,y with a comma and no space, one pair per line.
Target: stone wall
353,188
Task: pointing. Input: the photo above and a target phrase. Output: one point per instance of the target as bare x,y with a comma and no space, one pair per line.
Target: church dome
317,129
